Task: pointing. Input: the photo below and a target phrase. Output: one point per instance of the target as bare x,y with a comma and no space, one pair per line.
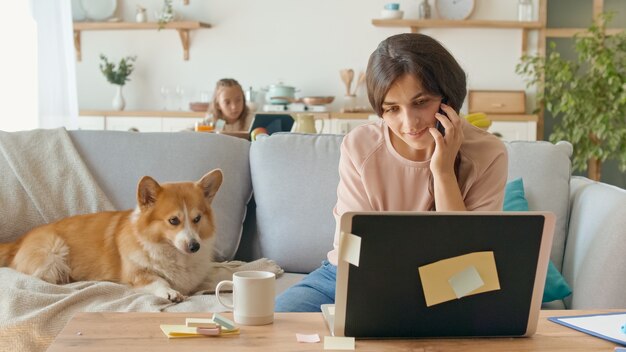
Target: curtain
58,101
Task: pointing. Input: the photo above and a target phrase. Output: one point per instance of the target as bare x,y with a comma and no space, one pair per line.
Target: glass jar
525,10
349,103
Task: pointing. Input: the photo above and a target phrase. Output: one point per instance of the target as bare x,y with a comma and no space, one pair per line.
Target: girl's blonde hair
215,107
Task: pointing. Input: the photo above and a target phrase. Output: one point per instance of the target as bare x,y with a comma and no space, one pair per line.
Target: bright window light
18,61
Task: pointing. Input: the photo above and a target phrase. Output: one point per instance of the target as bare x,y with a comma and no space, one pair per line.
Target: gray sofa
278,195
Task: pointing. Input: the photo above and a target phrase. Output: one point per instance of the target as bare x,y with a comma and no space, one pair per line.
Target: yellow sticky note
350,248
182,331
435,277
338,343
179,331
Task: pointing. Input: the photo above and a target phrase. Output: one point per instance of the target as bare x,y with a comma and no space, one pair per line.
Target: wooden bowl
317,100
199,107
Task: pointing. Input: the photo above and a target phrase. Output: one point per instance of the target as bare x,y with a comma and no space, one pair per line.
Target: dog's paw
175,296
171,295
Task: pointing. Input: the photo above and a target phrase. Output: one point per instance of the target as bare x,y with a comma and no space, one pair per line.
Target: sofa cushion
546,169
295,180
118,160
514,200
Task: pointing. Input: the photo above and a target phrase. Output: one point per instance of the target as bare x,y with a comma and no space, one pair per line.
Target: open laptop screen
384,296
272,123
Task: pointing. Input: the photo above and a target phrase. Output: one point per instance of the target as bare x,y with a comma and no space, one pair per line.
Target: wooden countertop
141,113
319,115
179,113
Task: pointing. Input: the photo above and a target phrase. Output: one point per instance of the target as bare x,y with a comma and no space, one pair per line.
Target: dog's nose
194,246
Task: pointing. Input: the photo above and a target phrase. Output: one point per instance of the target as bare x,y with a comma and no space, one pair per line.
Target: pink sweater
374,177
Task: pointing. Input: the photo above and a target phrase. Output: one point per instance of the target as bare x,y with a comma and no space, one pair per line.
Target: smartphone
438,124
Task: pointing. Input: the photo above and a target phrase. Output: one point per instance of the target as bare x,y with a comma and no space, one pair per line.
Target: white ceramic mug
253,297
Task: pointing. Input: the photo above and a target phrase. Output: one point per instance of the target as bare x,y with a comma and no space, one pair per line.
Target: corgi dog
164,246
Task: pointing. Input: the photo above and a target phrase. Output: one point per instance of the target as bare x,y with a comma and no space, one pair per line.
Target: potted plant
117,75
586,96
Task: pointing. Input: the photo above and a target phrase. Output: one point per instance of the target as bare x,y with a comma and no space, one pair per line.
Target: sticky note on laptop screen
458,277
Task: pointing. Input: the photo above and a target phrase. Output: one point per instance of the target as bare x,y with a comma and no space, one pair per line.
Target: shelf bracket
77,45
184,39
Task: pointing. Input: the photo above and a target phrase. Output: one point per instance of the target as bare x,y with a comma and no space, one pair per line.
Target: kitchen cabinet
139,124
143,121
175,124
514,127
342,123
331,122
91,122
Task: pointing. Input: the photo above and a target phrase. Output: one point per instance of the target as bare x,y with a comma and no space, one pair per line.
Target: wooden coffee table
141,332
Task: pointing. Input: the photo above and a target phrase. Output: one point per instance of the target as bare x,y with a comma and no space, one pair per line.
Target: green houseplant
118,75
586,96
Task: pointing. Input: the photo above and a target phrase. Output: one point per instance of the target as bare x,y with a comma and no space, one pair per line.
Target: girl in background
228,108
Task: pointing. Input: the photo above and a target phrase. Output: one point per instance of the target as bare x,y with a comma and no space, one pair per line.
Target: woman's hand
446,147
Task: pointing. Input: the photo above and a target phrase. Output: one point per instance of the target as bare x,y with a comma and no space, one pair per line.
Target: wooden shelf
571,32
512,117
414,24
182,27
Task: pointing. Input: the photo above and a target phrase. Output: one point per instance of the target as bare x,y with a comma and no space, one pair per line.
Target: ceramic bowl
391,14
392,6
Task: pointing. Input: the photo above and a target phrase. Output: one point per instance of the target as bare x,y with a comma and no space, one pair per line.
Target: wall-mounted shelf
571,32
182,27
415,24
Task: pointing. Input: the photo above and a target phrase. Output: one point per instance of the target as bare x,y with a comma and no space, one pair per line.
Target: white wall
303,43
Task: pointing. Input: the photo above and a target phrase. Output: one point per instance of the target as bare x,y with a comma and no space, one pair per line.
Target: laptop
438,274
272,123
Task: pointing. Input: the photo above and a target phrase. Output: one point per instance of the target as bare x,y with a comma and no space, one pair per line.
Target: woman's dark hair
421,56
427,60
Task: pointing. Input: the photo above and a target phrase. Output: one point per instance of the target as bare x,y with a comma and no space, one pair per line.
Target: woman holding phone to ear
402,162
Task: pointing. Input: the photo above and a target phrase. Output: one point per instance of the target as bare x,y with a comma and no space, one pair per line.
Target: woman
403,162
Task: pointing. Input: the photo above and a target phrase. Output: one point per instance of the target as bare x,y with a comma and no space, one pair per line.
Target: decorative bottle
525,10
424,10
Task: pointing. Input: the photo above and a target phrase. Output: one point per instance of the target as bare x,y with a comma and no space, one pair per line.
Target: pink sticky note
209,331
308,338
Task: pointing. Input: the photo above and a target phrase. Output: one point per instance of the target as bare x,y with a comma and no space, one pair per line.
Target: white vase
118,99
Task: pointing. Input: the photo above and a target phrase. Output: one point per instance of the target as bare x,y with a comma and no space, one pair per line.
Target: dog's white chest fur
184,272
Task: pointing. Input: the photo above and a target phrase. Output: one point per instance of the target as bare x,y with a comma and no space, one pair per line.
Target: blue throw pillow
515,200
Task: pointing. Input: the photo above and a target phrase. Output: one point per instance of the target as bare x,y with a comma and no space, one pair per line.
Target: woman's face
230,102
409,111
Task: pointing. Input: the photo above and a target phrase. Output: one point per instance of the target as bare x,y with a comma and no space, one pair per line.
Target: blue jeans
315,289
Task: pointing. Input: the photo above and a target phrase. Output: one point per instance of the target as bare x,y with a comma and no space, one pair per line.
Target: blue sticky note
228,324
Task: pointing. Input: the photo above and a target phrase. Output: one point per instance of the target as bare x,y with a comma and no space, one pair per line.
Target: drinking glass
180,92
165,92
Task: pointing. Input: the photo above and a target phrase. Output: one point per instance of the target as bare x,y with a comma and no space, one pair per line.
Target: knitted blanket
43,179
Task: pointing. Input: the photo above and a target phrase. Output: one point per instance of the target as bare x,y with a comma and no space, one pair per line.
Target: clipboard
605,325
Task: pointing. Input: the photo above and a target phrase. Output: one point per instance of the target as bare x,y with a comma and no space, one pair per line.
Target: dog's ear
210,183
147,192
